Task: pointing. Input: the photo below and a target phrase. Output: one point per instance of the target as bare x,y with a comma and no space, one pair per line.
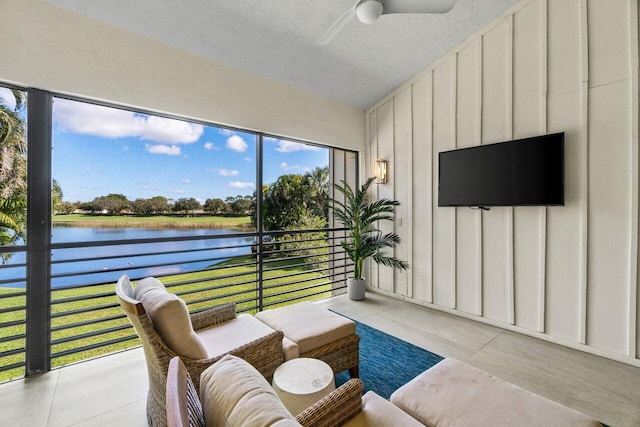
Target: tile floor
111,391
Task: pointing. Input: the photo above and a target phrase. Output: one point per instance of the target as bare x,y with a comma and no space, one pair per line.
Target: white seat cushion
222,338
379,412
170,318
308,325
290,349
453,393
234,393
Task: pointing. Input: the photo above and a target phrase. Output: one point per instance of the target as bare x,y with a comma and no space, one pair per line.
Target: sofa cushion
170,318
379,412
234,393
453,393
308,325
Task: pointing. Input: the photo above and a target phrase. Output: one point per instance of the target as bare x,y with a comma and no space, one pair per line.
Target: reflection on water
129,258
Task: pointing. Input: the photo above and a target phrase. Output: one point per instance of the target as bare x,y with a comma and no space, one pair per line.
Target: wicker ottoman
311,331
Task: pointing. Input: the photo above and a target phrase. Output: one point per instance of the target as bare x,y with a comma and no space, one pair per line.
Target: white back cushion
234,393
146,283
170,318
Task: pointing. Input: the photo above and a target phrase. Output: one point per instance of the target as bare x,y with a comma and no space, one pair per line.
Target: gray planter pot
356,288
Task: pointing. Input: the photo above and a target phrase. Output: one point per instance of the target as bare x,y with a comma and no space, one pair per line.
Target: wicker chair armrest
265,354
336,408
213,316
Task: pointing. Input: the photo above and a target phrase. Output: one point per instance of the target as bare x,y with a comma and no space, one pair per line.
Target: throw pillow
234,393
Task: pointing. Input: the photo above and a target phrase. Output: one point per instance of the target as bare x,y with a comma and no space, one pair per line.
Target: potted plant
365,240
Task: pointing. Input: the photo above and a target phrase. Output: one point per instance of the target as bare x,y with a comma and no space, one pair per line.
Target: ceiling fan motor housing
368,11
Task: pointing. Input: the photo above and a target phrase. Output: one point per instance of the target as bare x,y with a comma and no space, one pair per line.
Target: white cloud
290,147
226,132
210,146
270,139
185,181
228,172
178,191
7,99
287,167
248,159
171,150
241,185
236,143
169,130
89,119
163,271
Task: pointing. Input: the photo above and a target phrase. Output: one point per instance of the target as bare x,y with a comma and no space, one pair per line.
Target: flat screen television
523,172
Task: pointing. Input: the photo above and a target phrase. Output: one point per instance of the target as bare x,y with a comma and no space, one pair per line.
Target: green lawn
158,221
202,289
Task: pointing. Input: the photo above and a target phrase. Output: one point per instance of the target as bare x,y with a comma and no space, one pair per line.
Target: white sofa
233,393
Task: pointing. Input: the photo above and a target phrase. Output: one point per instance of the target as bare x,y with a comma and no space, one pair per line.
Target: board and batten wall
568,274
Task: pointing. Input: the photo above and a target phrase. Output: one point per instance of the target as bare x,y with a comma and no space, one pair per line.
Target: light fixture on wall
380,171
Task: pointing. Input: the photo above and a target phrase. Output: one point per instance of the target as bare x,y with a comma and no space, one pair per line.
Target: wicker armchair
264,353
184,408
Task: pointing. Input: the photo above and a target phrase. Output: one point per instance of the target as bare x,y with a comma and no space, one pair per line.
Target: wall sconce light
380,171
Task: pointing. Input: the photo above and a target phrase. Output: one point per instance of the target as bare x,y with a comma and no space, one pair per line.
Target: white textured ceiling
277,38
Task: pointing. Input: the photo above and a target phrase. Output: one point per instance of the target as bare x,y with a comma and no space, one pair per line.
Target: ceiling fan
369,11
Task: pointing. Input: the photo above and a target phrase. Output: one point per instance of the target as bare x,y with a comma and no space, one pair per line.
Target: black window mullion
38,292
259,222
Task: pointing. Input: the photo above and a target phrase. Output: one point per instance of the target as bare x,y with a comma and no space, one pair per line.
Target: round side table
302,382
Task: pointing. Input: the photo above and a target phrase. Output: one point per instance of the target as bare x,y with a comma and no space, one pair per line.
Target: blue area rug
386,362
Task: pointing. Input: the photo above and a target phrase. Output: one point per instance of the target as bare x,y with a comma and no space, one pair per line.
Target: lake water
129,258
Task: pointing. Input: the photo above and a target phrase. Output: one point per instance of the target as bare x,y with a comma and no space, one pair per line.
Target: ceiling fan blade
417,6
337,26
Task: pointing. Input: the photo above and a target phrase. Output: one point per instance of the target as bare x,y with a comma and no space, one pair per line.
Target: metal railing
12,313
206,270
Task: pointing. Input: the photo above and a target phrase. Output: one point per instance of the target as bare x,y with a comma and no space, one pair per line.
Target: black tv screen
523,172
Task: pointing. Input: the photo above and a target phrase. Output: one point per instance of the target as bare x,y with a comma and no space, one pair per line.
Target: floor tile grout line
487,343
106,412
53,396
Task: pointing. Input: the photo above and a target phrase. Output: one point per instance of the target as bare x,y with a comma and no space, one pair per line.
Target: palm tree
13,173
12,220
319,187
365,240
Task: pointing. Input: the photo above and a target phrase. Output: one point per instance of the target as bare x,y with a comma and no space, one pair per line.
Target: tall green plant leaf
360,218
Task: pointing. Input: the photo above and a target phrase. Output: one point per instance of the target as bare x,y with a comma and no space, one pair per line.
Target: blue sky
100,150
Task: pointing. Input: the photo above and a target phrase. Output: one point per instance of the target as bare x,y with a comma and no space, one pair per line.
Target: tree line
292,202
116,204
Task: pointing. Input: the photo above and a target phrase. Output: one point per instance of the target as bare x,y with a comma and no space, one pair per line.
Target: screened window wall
217,214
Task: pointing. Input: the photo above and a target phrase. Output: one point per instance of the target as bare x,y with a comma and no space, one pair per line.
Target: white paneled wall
567,274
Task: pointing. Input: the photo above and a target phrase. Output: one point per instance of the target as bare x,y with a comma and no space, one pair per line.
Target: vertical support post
38,317
259,222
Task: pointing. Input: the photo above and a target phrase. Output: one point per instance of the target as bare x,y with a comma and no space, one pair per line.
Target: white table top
302,382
